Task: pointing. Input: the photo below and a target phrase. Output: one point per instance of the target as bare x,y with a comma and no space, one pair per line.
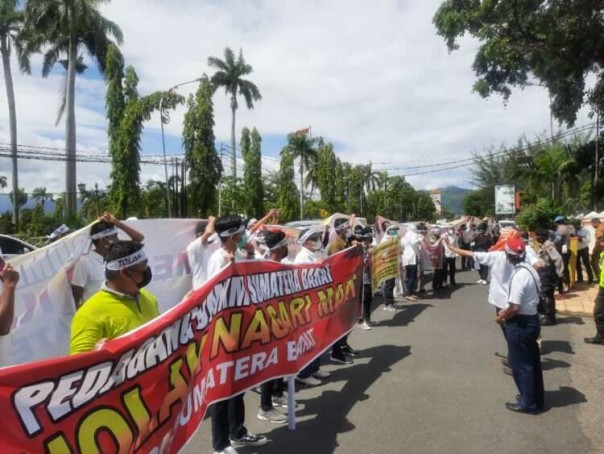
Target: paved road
428,381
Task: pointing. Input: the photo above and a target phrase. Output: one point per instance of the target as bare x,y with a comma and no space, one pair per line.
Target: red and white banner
148,391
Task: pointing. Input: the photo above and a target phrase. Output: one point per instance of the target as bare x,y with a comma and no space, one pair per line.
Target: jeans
522,332
228,417
388,291
367,300
583,256
410,279
450,266
268,390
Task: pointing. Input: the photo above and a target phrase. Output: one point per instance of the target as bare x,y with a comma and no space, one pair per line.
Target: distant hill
452,199
6,205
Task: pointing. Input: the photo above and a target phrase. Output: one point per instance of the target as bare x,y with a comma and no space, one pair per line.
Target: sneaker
227,450
309,381
341,360
479,281
596,340
272,415
280,402
249,439
364,325
484,282
348,350
321,374
389,308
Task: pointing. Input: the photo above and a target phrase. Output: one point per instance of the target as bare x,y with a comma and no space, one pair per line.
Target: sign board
505,200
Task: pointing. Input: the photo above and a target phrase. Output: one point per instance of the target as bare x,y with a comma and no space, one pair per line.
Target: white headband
104,233
307,235
281,243
343,226
126,262
232,231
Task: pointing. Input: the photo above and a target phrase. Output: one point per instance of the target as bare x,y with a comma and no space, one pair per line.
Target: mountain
6,205
452,199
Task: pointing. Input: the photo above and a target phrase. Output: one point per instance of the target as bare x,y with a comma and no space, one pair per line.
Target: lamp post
164,120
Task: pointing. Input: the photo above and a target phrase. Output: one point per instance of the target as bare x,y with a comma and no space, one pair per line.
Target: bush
540,215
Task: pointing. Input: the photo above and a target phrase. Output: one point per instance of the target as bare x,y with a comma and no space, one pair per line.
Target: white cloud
372,77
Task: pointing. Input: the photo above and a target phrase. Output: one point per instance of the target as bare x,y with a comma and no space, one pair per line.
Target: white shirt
199,254
501,272
410,242
89,273
305,256
216,262
454,242
585,236
524,289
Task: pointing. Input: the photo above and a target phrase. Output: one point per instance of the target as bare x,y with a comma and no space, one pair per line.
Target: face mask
147,276
243,241
316,245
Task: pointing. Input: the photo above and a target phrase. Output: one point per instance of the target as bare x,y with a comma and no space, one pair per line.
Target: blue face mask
243,241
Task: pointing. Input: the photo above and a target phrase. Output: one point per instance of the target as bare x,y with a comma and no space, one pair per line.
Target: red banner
148,391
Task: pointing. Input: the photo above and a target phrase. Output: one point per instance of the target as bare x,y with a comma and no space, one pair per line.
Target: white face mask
317,245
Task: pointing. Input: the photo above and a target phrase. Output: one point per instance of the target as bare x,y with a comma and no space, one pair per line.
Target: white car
11,247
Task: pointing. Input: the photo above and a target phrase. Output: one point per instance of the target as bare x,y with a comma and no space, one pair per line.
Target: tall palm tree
3,183
301,146
67,27
40,195
229,74
11,25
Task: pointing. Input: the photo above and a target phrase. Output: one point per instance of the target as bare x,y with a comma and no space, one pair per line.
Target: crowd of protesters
522,269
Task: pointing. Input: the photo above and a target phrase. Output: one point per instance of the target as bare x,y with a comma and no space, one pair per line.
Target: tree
558,43
200,152
11,26
154,198
229,75
252,172
20,197
65,27
326,169
127,112
480,202
288,192
3,182
41,196
301,146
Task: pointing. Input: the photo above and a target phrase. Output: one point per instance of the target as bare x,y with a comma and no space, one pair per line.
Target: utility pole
220,184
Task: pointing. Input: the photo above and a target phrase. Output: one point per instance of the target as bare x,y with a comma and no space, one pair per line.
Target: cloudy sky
371,77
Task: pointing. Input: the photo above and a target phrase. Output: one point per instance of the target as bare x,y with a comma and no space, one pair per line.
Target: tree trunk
70,132
12,113
301,188
233,146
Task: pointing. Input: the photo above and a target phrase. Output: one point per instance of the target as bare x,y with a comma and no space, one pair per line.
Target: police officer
522,330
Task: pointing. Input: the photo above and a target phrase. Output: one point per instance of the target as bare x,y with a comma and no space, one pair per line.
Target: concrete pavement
429,381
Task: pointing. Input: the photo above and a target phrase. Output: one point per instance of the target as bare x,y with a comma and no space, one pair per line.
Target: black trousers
439,278
483,272
228,417
583,256
367,300
467,263
522,332
268,390
388,291
599,313
547,304
450,268
566,276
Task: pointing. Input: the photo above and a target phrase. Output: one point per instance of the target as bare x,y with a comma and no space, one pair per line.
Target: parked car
11,246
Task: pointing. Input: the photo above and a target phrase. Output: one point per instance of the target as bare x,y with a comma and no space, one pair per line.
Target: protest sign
147,392
384,262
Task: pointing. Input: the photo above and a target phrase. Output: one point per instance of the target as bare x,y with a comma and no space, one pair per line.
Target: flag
303,131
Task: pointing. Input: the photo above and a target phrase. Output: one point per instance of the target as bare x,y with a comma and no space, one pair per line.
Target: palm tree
301,146
229,74
66,27
41,196
3,183
11,24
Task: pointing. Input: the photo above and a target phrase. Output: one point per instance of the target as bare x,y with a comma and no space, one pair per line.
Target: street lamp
164,120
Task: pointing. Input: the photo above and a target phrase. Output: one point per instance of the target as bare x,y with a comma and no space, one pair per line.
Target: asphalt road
429,381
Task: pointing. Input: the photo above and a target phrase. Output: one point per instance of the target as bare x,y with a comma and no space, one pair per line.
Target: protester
364,236
410,260
89,273
598,339
121,305
466,237
200,249
549,274
10,278
597,249
522,330
562,242
391,234
228,416
449,237
435,251
424,262
271,392
311,244
482,242
583,237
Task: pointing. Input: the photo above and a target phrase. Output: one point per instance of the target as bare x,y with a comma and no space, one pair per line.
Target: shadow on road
549,346
549,364
571,321
406,314
329,411
563,397
446,292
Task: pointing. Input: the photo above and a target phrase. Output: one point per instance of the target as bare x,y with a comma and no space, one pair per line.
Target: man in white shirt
450,257
9,278
200,249
89,272
410,242
522,330
228,416
584,238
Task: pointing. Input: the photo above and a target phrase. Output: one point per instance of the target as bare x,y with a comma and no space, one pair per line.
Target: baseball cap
515,246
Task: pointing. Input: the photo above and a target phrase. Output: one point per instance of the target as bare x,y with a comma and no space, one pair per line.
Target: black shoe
348,350
249,439
341,359
518,409
596,340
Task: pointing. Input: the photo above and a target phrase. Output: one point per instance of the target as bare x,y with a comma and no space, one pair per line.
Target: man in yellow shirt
121,305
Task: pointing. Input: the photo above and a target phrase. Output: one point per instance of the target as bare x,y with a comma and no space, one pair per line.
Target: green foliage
40,195
288,200
540,215
326,169
94,202
21,197
302,147
200,153
558,43
480,202
154,200
251,150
